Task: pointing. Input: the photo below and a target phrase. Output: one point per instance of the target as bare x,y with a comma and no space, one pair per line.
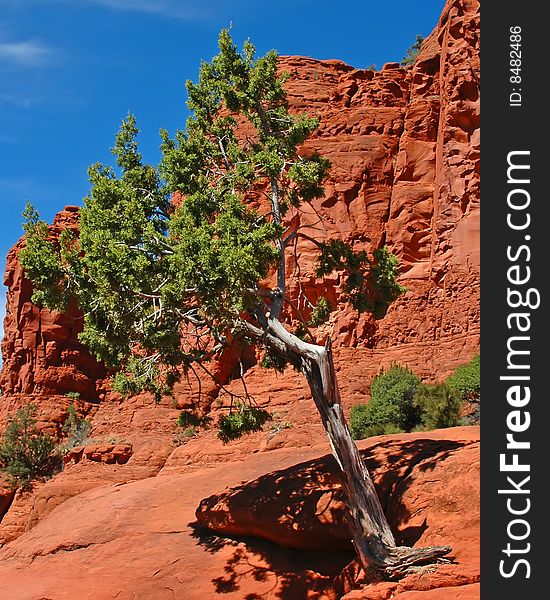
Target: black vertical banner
515,345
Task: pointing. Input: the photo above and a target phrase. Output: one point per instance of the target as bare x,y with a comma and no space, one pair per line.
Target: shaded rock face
428,485
404,148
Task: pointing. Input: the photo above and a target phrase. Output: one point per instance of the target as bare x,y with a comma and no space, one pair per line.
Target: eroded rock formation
404,148
40,348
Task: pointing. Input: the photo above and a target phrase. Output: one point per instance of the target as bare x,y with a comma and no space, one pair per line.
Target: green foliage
75,428
373,418
320,313
272,360
144,269
371,284
383,280
142,374
439,405
391,408
242,419
466,379
399,402
185,435
277,427
42,262
412,52
73,395
25,453
396,387
188,419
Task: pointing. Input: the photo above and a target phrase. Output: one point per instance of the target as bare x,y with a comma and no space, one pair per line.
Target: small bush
439,405
397,386
243,419
272,360
471,419
277,428
391,408
73,395
320,313
185,435
412,52
188,419
75,428
374,418
25,452
466,380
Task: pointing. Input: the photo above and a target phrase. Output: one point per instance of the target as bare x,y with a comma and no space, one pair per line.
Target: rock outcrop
40,349
83,547
404,148
303,507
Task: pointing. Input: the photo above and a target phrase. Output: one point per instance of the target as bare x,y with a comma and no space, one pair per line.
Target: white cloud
164,7
187,10
25,54
177,9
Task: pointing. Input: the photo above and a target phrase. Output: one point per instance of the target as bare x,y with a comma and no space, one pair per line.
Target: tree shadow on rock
279,572
299,514
391,465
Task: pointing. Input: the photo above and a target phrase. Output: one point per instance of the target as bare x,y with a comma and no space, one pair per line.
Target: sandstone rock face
103,453
40,349
83,546
7,494
404,148
302,507
28,507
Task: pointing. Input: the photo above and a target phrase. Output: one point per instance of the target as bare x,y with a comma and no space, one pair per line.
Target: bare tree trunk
371,533
372,536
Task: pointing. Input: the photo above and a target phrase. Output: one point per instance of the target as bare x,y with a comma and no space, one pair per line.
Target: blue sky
70,70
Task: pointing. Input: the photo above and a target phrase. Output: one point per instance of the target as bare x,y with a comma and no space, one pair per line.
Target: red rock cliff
40,349
404,147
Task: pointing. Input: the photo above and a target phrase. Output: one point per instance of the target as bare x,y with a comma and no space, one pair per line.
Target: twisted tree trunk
371,533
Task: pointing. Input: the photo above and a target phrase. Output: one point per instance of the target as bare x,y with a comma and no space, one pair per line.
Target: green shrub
243,419
374,418
320,313
25,452
185,435
73,395
75,428
391,408
472,418
399,402
466,380
397,386
439,405
188,419
272,360
412,52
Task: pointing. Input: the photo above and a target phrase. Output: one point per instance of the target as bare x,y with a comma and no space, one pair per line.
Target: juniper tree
413,51
145,268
